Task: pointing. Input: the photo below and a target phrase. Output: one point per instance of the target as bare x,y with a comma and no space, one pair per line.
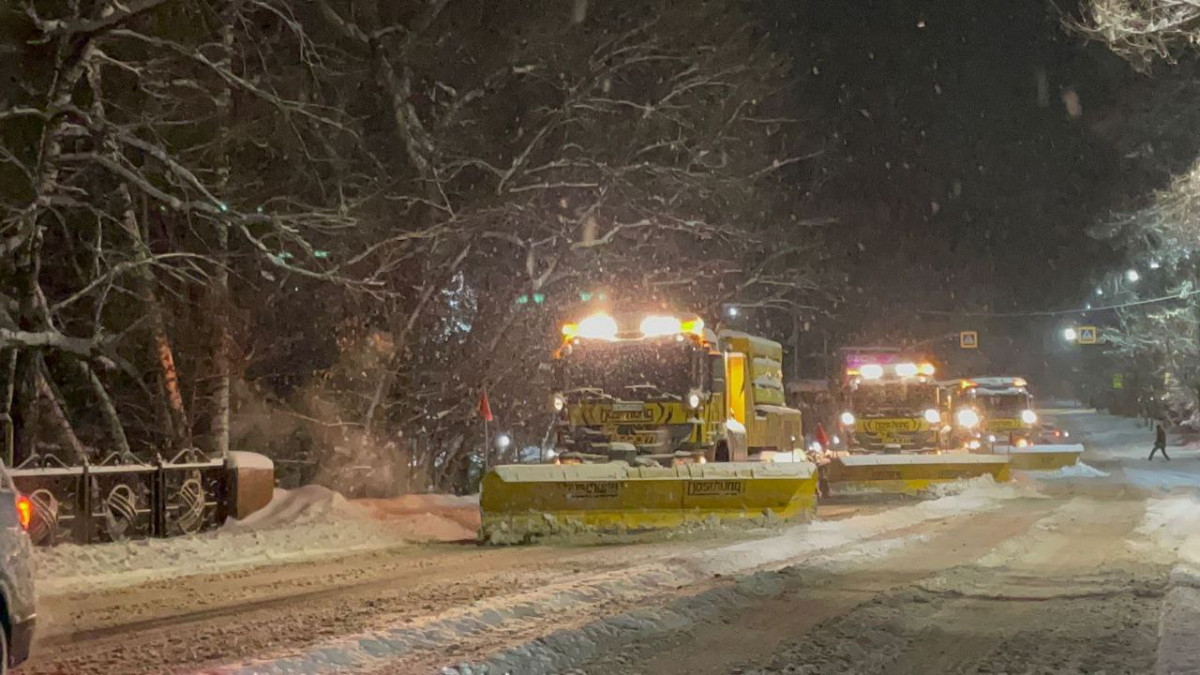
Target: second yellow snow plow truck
899,431
661,423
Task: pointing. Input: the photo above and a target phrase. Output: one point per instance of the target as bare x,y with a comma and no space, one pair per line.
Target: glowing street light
1154,264
1131,275
732,311
503,440
1070,335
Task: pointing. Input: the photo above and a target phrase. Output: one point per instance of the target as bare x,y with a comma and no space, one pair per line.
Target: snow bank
1037,449
1077,470
1172,525
294,507
308,523
1171,528
759,559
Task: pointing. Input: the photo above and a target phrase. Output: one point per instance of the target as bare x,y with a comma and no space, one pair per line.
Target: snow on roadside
1077,470
1170,532
305,524
640,584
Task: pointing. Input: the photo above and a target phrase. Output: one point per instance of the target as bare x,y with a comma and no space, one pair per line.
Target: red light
24,511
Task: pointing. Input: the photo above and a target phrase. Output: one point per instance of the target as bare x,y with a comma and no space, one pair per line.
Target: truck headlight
693,399
932,416
847,418
1028,417
967,418
559,403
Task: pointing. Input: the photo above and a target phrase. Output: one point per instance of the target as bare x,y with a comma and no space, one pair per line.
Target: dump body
755,388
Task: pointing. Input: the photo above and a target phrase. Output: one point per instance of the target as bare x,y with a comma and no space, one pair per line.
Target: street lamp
732,311
503,440
1070,335
1131,275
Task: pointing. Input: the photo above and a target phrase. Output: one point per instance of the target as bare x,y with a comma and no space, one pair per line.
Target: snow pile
308,523
295,507
430,517
1077,470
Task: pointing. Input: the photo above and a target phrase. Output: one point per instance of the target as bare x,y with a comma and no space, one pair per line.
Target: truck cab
890,403
662,389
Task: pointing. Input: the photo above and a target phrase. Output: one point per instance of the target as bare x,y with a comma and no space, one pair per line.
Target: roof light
1019,382
598,327
926,369
906,369
692,327
871,371
657,326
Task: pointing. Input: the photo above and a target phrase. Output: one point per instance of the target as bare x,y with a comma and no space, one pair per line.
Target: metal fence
124,498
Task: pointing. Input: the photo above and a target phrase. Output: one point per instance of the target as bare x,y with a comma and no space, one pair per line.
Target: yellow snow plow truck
661,423
1012,425
899,430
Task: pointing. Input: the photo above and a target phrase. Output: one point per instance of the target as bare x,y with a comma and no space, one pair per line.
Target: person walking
1160,442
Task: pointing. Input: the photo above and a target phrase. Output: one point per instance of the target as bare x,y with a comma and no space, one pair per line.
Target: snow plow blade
909,474
520,503
1040,457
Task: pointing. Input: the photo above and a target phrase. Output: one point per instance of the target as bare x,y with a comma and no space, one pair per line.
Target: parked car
16,574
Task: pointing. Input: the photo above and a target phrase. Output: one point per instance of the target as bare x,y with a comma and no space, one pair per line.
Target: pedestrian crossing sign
968,339
1087,335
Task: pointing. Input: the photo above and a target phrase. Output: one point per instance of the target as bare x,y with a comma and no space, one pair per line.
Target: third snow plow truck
900,434
1012,422
661,423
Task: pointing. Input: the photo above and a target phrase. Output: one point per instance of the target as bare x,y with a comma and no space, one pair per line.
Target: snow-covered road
1088,570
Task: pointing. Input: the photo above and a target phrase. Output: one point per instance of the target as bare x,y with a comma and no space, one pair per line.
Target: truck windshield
1006,403
631,370
894,397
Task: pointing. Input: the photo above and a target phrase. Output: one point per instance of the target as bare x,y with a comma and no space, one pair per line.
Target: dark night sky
964,192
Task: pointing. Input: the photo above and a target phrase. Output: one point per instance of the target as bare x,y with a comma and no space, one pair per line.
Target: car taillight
24,511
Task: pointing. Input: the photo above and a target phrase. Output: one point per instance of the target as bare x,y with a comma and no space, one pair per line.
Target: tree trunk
220,423
112,420
58,417
174,420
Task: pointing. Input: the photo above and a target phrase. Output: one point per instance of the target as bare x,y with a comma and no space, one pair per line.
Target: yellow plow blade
1041,457
521,502
909,474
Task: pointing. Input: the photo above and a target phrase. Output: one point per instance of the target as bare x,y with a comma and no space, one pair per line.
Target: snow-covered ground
304,524
630,586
